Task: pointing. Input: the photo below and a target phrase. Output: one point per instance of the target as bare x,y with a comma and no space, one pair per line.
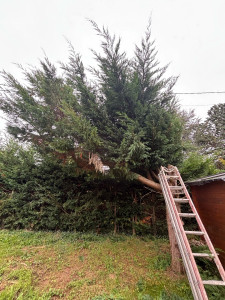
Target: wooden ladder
175,193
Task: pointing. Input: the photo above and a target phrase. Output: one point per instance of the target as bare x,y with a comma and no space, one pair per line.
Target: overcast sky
189,34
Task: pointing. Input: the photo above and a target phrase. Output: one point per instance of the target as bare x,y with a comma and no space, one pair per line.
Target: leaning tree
120,116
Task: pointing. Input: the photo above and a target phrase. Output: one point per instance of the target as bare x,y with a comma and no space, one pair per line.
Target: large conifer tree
123,118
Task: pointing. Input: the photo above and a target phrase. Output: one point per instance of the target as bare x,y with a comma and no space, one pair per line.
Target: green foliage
208,137
196,166
203,144
216,127
41,193
190,125
161,262
125,114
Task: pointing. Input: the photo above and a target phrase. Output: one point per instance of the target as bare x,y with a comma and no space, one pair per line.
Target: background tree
191,125
203,143
211,133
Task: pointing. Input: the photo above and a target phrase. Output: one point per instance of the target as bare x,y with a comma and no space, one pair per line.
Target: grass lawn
46,265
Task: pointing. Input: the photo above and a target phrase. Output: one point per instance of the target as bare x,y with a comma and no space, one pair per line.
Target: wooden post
176,262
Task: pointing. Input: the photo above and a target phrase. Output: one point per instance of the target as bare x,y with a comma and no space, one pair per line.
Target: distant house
208,195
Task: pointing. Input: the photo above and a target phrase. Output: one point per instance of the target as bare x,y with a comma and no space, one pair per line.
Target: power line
197,104
199,93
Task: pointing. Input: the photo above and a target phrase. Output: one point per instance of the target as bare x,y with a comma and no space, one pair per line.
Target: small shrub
197,165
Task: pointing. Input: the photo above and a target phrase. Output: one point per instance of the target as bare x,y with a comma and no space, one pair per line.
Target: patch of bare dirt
71,268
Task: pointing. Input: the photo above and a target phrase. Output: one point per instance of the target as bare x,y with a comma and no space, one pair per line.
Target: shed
208,195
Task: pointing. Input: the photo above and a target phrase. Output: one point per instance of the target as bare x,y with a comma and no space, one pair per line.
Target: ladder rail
169,192
202,228
187,256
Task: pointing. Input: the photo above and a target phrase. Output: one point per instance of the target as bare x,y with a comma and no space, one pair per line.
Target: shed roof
207,179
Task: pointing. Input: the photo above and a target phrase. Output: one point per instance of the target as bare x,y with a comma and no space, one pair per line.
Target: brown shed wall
209,200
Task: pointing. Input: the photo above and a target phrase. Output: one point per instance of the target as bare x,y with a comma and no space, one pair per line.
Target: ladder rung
187,215
172,176
181,200
203,255
195,232
176,187
213,282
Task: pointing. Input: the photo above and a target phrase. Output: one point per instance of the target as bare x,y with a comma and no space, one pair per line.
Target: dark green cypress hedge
41,193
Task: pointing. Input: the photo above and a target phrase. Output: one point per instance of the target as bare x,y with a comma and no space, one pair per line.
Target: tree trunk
134,218
176,263
156,186
115,223
154,220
